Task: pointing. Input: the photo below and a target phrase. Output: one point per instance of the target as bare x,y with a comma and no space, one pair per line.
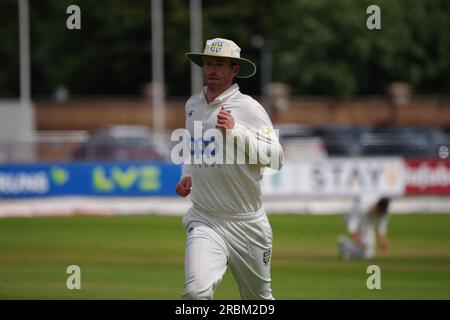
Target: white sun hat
224,48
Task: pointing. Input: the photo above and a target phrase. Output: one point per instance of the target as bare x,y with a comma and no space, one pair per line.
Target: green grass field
141,257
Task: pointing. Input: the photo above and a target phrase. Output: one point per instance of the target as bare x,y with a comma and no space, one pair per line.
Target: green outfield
141,257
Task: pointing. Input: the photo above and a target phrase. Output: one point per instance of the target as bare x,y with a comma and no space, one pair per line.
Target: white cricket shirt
232,189
362,218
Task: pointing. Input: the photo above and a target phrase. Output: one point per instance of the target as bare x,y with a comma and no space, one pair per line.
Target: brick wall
91,114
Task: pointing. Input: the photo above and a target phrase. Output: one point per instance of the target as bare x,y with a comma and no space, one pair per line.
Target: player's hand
184,186
224,119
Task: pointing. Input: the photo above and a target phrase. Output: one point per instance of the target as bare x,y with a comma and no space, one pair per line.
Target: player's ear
236,68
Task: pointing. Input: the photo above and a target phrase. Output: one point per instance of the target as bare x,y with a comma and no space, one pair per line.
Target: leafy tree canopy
320,47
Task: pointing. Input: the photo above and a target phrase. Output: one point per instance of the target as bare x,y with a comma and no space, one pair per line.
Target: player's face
219,73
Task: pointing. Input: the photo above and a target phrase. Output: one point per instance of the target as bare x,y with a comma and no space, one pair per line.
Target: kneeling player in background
361,221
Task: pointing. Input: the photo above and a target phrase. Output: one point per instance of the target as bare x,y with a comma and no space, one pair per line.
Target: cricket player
227,225
368,211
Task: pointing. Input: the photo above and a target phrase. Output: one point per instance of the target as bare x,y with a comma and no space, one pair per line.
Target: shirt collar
224,95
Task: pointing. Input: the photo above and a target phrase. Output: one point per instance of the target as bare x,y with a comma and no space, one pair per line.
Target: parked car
325,140
413,142
298,142
340,140
124,143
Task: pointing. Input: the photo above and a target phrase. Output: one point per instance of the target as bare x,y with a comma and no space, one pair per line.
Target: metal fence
41,147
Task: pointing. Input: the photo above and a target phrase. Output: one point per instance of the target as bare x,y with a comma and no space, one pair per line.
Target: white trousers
213,243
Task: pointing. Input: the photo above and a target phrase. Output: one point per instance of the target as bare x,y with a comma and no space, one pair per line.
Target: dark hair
382,205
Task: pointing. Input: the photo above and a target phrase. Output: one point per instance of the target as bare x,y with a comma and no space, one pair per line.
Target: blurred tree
109,55
241,21
333,52
322,46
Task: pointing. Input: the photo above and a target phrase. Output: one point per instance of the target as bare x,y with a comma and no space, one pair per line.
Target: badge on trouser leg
253,273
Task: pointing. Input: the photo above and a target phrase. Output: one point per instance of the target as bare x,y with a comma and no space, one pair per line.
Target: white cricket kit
361,219
227,224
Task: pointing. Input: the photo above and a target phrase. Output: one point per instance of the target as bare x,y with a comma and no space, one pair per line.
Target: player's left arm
382,232
260,140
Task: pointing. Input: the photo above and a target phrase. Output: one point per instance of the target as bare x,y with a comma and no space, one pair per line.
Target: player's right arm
354,219
184,186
